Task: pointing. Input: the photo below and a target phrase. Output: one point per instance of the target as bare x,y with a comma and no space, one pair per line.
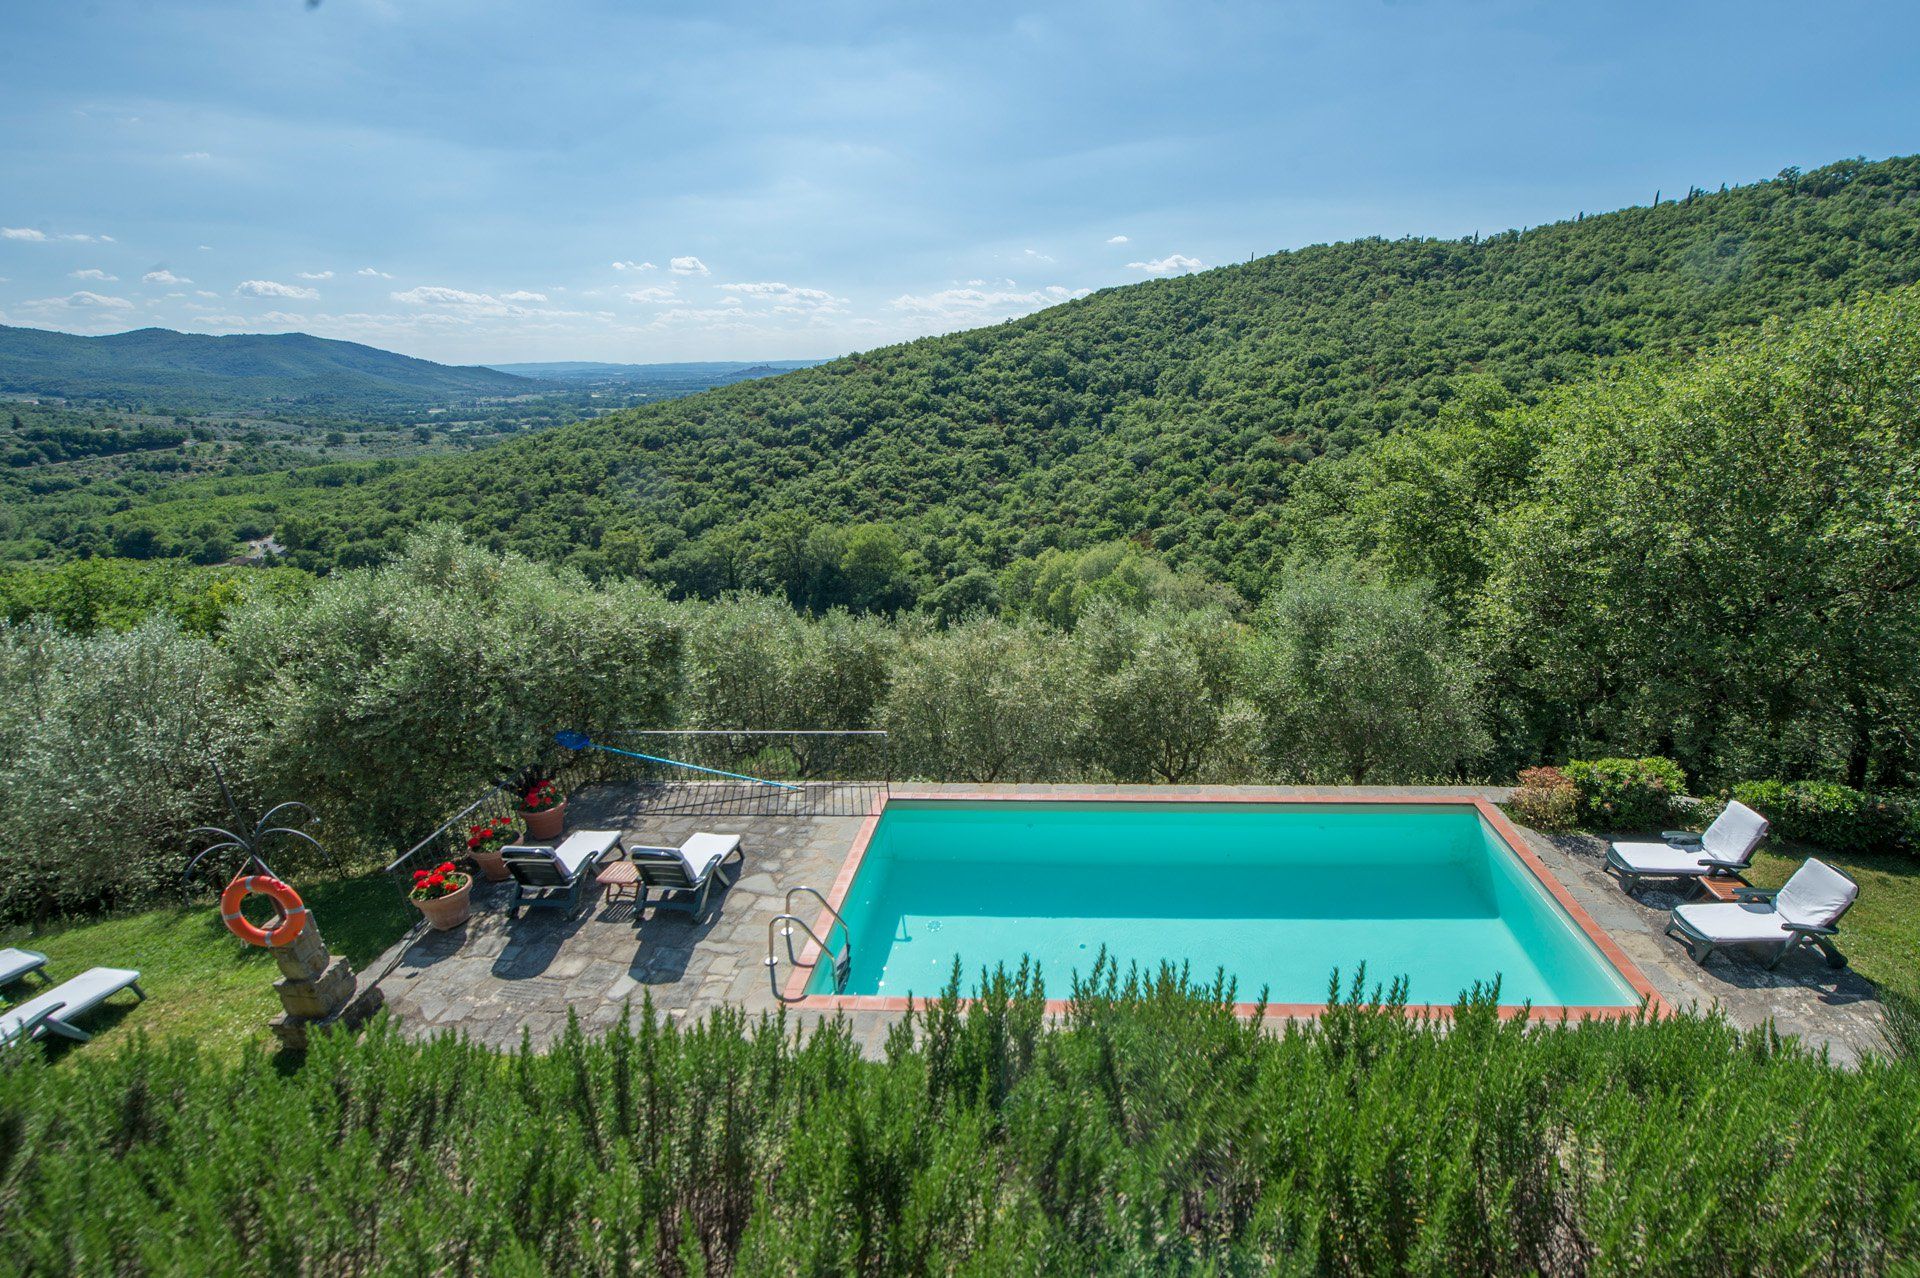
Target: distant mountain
200,371
704,373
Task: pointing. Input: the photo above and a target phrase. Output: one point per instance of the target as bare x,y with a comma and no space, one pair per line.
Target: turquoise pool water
1277,895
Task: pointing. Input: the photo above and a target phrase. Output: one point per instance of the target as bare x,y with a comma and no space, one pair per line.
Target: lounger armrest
1754,894
1812,929
1724,862
1680,836
31,1027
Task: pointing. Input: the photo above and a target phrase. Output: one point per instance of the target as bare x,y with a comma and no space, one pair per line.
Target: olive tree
754,662
106,750
985,700
1360,681
393,692
1156,688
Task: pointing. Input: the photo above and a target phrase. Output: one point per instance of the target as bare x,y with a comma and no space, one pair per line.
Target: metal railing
448,840
827,773
823,772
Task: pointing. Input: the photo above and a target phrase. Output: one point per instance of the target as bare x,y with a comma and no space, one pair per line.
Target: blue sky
473,181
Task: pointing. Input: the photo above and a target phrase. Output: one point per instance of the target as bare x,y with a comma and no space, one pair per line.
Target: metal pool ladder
786,921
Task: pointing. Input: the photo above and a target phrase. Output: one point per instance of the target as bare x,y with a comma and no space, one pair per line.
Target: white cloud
370,273
206,248
973,304
653,295
195,155
94,273
1117,239
688,266
163,276
522,295
1035,255
1171,264
434,295
201,292
787,294
84,300
635,266
316,275
33,235
272,288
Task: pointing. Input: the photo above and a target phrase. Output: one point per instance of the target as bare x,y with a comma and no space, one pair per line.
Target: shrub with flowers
441,880
491,835
1626,794
1546,799
541,795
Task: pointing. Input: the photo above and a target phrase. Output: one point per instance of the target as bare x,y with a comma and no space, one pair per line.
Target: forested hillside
1178,412
238,371
1717,561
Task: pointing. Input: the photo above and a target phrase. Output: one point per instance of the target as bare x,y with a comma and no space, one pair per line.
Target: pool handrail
842,961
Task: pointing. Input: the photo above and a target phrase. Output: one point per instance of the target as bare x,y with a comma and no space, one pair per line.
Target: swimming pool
1276,894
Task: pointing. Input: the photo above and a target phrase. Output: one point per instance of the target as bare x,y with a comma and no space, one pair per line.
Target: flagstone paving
499,980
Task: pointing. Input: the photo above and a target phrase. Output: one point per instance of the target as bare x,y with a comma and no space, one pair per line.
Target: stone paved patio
496,980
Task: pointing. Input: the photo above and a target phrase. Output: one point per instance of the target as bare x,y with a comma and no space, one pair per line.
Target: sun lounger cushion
1735,833
1734,922
581,847
1662,858
1815,896
702,852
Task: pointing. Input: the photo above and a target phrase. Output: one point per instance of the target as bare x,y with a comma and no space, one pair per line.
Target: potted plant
484,842
542,806
443,895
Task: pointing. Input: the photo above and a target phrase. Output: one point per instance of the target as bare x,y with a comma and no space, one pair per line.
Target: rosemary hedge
1149,1130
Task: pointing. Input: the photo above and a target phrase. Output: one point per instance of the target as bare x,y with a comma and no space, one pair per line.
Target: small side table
620,879
1721,887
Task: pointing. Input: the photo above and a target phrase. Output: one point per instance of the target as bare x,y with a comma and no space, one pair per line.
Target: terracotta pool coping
1493,816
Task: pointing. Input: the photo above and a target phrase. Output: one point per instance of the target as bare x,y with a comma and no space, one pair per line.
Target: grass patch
201,982
1881,933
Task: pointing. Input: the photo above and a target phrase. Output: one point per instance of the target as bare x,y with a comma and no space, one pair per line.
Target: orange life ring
283,932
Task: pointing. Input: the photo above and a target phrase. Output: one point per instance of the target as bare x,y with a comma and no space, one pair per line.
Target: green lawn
200,980
1881,933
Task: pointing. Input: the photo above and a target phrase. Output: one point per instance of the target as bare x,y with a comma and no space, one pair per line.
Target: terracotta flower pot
545,827
493,866
450,911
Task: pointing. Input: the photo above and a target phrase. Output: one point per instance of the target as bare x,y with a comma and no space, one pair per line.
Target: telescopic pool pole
580,741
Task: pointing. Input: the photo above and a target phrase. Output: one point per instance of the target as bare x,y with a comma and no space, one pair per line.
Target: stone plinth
318,990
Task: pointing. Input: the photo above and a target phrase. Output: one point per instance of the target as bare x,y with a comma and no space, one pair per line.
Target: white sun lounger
1806,911
684,876
1726,848
15,964
53,1011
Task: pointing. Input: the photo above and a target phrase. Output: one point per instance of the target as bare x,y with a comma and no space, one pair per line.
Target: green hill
1176,413
244,371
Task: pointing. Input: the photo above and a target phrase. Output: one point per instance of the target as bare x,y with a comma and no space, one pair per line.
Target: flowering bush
1547,800
540,796
1627,794
489,836
441,880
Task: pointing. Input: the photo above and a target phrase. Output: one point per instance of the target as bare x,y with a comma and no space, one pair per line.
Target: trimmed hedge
1829,815
1627,794
1151,1131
